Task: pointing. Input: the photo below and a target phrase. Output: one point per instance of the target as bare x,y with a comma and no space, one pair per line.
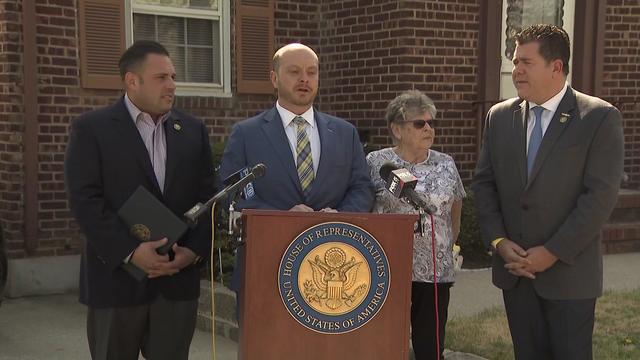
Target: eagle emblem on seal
332,279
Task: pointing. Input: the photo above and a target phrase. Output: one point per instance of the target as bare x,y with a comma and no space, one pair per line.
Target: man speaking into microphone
315,161
429,180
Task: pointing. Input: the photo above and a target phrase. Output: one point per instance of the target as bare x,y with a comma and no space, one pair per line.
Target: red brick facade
373,50
621,75
11,125
370,50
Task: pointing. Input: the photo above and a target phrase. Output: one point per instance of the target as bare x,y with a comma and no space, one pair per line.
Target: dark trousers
548,329
160,330
423,319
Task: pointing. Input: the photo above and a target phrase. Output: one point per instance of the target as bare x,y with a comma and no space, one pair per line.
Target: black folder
149,219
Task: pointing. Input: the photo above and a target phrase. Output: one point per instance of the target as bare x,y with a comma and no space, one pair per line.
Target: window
517,15
196,34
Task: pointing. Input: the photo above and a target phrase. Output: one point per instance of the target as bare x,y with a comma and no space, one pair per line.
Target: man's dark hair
554,42
136,54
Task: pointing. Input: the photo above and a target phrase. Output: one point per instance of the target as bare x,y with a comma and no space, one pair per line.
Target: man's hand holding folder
158,230
147,259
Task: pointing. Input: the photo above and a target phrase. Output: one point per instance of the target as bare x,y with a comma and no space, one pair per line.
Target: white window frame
223,14
507,89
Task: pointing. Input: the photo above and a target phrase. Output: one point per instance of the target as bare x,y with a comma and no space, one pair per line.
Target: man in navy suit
140,140
315,161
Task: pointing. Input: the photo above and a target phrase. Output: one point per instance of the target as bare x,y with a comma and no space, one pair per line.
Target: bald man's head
295,76
290,48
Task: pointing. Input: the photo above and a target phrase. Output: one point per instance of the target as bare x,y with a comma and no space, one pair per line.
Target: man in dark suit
546,180
139,141
314,161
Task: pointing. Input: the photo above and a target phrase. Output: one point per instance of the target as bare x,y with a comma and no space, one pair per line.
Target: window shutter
254,46
102,41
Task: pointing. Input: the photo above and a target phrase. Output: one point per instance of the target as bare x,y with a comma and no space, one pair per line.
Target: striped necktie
536,138
303,155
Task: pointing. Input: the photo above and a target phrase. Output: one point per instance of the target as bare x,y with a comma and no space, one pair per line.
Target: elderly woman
411,120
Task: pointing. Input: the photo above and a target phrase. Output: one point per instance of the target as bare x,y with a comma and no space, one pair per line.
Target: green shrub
470,241
223,242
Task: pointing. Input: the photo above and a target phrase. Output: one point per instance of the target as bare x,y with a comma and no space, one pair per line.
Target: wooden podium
269,330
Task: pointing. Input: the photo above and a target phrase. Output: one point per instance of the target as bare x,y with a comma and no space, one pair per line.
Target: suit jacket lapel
172,128
131,140
520,140
555,129
328,149
275,134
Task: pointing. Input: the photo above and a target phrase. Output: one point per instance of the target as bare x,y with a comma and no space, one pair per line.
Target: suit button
525,207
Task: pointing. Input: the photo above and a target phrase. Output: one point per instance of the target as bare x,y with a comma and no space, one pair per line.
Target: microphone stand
198,209
234,216
233,198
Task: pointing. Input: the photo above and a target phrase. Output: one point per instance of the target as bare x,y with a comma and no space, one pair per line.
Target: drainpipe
30,118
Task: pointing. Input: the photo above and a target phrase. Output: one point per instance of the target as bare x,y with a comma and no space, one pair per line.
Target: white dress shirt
550,107
312,132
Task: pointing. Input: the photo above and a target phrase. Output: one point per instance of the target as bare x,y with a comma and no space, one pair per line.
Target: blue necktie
536,138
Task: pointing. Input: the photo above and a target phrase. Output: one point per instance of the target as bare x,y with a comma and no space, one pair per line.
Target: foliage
470,241
616,332
224,244
217,149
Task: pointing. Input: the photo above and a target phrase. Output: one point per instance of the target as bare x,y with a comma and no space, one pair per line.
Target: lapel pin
564,117
177,127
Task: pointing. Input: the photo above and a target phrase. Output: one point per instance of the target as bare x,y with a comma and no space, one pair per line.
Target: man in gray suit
546,180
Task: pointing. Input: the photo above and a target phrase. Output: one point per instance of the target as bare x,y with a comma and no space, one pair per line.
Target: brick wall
61,98
371,51
621,76
295,21
11,126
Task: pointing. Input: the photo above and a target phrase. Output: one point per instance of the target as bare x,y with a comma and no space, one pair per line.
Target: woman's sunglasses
419,124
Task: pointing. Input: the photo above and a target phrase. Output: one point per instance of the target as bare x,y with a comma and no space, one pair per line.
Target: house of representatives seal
334,278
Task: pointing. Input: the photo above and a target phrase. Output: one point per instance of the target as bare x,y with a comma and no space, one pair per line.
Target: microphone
198,209
401,184
233,178
247,191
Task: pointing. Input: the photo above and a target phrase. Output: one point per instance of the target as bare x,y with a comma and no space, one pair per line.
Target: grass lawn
616,333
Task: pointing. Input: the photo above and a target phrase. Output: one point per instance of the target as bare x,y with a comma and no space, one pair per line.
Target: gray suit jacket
571,192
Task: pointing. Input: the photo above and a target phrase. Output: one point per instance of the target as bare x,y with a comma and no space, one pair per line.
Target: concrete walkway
53,327
473,291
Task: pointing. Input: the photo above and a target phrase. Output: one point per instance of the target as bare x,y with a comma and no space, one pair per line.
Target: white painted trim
206,92
225,26
174,11
164,11
128,23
